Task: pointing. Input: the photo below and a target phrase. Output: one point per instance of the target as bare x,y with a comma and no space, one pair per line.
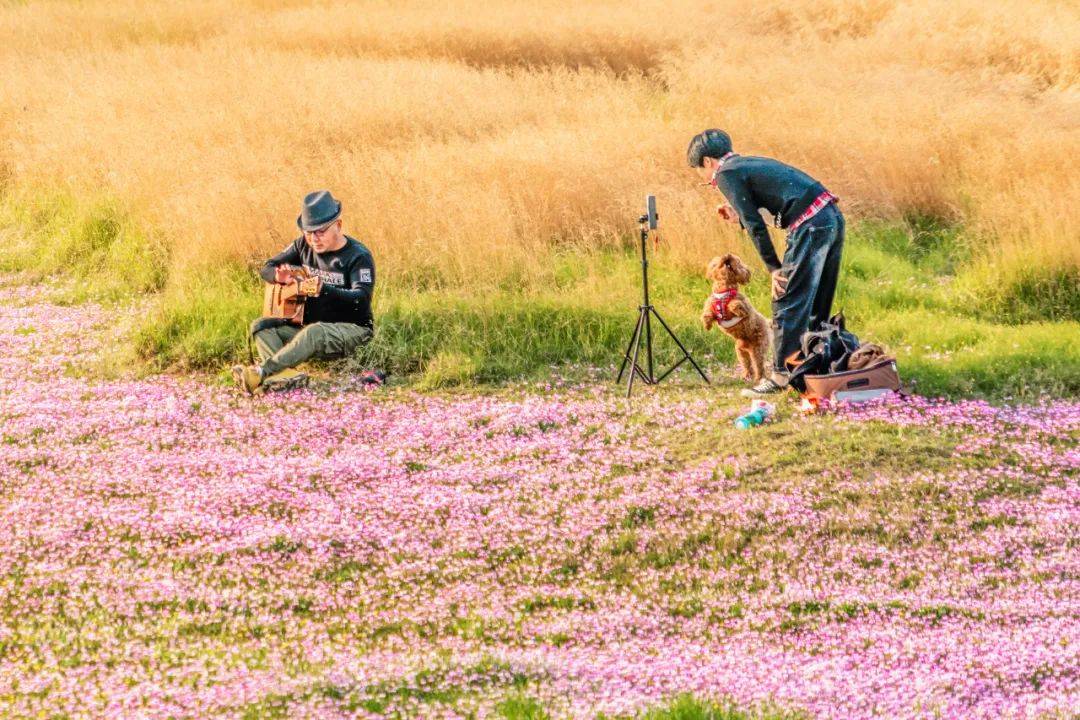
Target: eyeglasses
320,233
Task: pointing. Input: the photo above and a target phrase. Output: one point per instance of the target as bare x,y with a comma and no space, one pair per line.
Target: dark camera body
651,217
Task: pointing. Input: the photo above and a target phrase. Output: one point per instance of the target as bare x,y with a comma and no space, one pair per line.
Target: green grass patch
94,241
201,325
958,324
448,338
522,707
688,707
1026,293
540,603
775,452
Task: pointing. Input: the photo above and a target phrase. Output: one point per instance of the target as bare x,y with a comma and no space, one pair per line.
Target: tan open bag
882,375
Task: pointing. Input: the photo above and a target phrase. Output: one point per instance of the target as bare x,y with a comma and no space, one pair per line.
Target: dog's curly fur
751,334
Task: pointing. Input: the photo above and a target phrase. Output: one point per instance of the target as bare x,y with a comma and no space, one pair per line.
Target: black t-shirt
348,277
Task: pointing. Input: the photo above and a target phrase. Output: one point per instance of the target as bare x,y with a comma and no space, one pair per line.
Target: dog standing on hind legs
732,311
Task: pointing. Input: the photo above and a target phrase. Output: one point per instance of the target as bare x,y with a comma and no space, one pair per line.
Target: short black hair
712,143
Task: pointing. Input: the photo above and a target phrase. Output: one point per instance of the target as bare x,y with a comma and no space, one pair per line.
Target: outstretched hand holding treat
726,212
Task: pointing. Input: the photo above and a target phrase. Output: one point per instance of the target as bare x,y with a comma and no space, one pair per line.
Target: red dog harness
720,307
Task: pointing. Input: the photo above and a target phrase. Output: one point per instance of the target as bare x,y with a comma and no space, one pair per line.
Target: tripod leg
648,344
686,353
626,355
634,369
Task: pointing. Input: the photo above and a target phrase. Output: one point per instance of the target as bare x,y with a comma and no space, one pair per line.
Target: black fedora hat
320,209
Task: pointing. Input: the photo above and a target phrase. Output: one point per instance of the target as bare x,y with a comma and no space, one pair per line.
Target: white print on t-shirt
328,277
365,275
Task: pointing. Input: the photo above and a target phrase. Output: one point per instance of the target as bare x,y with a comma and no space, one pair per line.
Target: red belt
819,204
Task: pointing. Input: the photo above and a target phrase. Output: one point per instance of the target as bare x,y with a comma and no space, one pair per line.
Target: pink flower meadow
170,548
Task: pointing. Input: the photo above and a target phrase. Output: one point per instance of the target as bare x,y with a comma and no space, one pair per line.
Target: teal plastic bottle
752,418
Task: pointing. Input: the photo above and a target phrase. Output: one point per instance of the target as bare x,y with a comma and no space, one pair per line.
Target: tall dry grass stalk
467,139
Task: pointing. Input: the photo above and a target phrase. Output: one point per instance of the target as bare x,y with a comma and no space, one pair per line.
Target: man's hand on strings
284,274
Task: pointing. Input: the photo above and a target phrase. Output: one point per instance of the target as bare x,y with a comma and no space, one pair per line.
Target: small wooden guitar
287,301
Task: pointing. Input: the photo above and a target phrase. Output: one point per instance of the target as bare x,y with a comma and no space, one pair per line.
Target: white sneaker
766,387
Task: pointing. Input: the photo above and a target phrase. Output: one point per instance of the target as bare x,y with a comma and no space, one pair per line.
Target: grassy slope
903,285
891,292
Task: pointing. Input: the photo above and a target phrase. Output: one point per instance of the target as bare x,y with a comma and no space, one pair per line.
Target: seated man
336,321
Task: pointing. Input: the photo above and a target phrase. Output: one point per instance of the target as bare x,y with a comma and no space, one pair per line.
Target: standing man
337,320
803,284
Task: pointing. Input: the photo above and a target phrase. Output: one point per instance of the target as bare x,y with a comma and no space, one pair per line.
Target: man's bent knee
263,324
317,338
313,333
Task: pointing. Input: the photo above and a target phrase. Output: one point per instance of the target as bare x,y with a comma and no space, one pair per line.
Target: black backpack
822,351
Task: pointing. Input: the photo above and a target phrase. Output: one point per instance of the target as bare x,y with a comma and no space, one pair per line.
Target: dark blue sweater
785,192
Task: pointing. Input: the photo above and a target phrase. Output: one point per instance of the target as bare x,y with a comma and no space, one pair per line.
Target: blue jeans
811,265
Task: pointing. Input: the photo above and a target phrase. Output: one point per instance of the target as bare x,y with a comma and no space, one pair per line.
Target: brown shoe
248,378
287,379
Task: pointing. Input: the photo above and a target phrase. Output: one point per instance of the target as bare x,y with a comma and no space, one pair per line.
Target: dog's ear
711,267
718,266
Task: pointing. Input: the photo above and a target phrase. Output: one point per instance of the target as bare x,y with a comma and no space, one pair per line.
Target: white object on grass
857,396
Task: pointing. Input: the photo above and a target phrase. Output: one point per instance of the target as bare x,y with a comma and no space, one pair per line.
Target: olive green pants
286,346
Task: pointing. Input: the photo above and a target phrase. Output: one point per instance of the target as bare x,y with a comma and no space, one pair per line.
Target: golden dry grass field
471,142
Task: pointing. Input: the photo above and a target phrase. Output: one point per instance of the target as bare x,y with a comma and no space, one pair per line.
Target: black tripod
643,328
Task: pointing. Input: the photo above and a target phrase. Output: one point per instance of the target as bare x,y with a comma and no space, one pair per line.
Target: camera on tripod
643,329
650,216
